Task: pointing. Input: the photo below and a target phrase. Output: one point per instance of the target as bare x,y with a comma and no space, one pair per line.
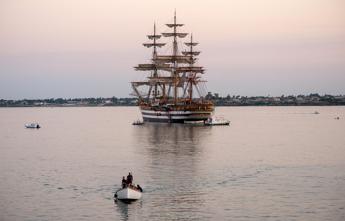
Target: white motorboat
33,125
129,193
213,121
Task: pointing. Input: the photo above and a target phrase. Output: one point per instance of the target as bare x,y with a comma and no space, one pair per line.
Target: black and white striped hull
174,116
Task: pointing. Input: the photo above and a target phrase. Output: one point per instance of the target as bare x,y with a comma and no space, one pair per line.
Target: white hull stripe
174,112
174,117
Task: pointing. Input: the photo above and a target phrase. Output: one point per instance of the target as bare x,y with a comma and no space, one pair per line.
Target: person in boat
124,182
129,178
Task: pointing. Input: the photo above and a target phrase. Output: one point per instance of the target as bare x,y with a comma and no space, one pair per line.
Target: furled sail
177,34
148,45
149,67
161,79
151,37
191,53
191,43
190,69
174,25
172,59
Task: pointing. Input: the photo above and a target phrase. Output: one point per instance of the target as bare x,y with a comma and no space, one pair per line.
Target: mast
154,66
193,79
175,58
154,55
190,89
175,63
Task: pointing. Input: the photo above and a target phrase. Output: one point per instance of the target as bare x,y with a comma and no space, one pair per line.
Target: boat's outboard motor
139,188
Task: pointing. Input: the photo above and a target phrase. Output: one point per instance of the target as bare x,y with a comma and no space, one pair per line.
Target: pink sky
87,48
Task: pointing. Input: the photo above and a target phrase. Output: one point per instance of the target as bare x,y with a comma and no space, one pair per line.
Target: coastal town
234,100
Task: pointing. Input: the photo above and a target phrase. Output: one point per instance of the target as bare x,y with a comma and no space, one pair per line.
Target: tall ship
172,91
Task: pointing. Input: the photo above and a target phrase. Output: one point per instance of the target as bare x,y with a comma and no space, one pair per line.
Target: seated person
124,182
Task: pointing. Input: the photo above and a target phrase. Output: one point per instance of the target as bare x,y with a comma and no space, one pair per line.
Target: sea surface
271,163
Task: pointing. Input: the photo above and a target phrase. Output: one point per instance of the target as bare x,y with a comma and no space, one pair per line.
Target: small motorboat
129,193
33,125
215,121
138,122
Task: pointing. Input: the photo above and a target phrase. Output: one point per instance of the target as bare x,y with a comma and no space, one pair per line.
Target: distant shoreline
231,101
52,106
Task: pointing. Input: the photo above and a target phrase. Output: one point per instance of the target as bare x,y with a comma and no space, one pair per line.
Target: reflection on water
268,165
177,139
128,211
173,157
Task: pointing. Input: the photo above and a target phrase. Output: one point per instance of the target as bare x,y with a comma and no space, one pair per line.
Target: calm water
272,163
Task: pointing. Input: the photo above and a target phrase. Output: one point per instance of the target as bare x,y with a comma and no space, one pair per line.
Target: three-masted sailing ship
172,81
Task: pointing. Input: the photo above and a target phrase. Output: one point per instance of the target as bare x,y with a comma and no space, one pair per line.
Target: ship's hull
165,116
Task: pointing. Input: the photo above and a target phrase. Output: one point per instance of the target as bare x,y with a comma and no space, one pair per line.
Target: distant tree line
235,100
113,101
290,100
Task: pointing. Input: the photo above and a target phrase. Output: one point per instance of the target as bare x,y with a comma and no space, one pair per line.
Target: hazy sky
87,48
